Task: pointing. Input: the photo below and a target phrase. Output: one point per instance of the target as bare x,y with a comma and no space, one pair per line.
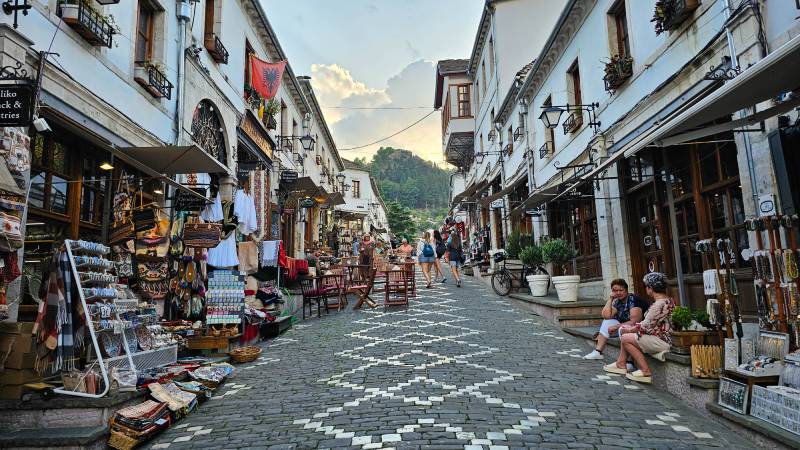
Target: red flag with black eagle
266,76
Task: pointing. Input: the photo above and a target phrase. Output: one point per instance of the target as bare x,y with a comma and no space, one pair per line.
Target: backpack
427,251
440,248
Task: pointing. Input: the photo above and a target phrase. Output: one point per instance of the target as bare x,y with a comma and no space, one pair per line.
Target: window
574,74
576,222
464,106
549,133
356,189
144,32
481,141
284,119
50,168
620,29
483,75
477,95
446,113
510,139
248,50
210,10
491,56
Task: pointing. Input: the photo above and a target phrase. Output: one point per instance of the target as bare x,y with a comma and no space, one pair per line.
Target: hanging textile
270,251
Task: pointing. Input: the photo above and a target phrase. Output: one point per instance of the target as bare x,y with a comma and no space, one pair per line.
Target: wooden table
750,381
339,286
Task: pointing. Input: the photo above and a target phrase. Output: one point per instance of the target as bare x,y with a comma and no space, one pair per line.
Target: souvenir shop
133,281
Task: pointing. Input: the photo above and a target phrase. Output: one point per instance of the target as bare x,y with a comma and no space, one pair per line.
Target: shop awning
470,191
335,199
506,190
537,198
351,215
766,79
302,187
174,159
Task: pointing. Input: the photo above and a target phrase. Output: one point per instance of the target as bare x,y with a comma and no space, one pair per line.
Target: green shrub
532,256
681,318
512,244
702,318
526,240
559,252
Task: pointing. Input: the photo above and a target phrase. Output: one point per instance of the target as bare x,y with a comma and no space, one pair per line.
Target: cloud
412,87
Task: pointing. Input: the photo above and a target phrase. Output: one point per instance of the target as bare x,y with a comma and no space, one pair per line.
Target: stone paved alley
461,369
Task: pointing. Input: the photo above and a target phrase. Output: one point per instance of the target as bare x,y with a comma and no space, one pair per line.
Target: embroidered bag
10,232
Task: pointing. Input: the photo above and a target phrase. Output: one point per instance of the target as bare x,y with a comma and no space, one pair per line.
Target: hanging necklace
790,263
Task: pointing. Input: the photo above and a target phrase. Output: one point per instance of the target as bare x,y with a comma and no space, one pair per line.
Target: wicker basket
245,354
121,441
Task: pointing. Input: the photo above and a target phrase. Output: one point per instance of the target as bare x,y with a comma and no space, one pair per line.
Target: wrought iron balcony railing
546,150
153,79
215,48
89,23
573,122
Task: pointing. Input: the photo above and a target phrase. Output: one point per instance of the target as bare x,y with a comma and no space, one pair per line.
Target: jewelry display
733,395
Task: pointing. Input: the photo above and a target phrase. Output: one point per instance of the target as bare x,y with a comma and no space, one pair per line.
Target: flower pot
539,284
69,13
567,287
682,341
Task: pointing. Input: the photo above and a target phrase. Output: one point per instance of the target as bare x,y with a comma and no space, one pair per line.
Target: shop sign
243,169
256,132
766,205
289,176
288,211
185,201
497,204
307,202
16,105
324,206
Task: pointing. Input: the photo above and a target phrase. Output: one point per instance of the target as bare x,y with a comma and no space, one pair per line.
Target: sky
376,54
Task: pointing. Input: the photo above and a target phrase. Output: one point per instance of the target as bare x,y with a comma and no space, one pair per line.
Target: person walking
455,253
441,249
426,255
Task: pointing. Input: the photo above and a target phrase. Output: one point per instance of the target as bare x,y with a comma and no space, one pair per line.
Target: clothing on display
225,254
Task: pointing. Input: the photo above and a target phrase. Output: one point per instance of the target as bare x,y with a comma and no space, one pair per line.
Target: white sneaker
594,355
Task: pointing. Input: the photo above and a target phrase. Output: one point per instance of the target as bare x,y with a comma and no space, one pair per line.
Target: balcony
617,71
508,149
457,142
573,122
518,133
151,77
95,28
670,14
215,48
546,150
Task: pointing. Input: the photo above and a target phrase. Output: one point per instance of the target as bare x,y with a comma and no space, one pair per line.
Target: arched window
207,131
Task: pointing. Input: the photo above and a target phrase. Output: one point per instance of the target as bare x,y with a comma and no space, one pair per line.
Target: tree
400,221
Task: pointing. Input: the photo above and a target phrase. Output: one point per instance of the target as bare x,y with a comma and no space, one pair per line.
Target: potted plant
682,337
512,245
669,14
617,70
271,109
560,253
533,257
711,336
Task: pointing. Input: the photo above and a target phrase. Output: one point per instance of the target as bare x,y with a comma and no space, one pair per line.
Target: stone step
92,437
579,320
63,411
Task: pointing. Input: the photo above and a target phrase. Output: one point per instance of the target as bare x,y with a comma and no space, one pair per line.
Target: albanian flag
266,76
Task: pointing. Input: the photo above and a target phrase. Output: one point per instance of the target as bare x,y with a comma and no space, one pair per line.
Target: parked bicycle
503,278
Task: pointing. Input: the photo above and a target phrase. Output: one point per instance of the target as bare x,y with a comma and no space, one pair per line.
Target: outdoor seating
334,285
396,287
364,288
313,293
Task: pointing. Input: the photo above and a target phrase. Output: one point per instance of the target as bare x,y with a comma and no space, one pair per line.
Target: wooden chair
396,289
409,272
335,287
312,293
364,288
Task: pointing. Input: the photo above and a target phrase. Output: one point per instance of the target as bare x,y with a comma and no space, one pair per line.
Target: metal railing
573,122
89,23
215,48
157,82
546,150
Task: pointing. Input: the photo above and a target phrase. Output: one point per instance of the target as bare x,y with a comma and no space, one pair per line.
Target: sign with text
307,202
288,176
16,105
497,204
185,201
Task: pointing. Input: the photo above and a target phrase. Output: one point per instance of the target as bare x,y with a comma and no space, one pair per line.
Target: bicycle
503,278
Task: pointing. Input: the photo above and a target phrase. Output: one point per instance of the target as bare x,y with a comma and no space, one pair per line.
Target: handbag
144,218
201,234
154,242
121,232
10,232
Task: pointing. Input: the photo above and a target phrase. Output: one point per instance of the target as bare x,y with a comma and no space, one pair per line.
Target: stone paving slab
460,369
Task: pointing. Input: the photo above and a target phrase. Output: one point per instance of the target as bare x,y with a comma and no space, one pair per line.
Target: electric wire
392,135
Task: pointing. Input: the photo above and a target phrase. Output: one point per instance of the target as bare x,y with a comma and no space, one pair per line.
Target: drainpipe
184,14
748,148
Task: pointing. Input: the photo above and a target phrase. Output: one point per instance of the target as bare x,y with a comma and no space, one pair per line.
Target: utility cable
391,136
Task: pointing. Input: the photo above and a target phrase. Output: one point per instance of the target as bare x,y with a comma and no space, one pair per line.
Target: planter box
679,11
617,73
215,49
88,23
153,80
272,124
682,341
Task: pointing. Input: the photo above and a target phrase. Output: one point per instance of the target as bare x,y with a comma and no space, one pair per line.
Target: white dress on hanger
224,254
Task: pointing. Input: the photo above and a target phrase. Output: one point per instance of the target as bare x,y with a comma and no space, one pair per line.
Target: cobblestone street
461,369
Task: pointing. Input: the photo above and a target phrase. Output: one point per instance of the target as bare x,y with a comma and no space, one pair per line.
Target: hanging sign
185,201
288,176
16,105
288,211
307,202
324,206
497,204
766,205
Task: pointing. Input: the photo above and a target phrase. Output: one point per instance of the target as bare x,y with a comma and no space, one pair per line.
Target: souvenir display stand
130,338
762,377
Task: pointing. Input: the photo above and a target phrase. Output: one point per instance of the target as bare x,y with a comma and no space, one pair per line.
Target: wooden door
648,237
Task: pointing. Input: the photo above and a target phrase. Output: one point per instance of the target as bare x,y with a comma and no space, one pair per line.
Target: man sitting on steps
621,308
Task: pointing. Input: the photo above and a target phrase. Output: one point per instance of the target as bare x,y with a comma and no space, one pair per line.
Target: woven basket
245,354
121,441
202,235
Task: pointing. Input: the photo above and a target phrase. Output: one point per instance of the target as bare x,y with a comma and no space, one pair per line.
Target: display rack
91,258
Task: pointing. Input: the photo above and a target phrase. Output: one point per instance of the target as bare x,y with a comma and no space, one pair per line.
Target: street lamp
340,178
307,142
551,114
